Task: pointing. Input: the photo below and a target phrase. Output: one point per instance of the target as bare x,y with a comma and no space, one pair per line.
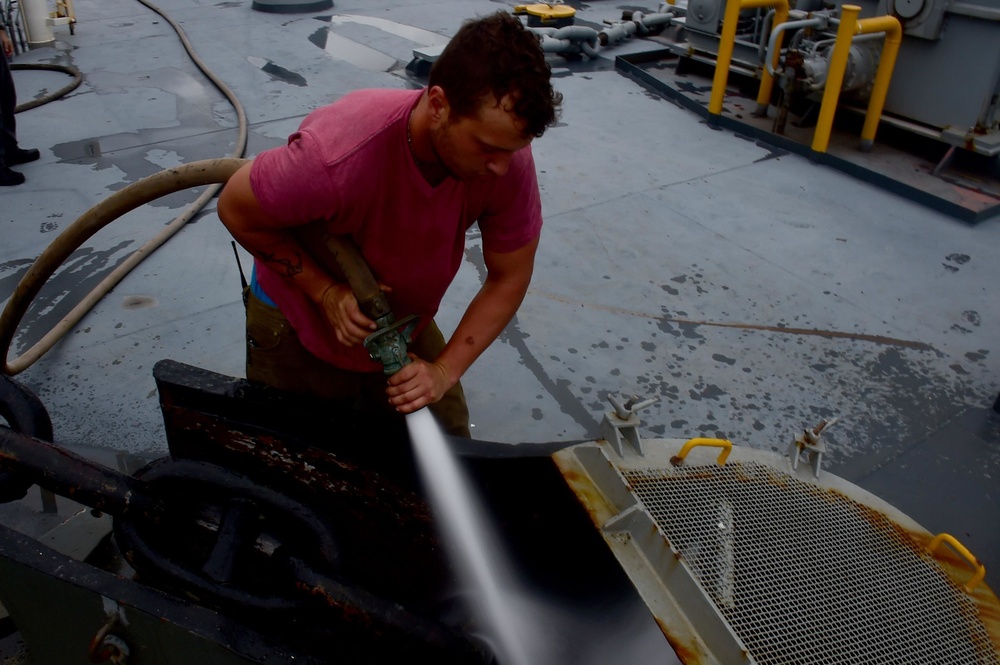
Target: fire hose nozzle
388,344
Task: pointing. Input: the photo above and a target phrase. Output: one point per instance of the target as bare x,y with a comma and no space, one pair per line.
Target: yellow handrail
980,569
725,444
849,27
728,42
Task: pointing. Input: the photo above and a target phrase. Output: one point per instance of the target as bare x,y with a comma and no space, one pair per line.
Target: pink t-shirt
349,164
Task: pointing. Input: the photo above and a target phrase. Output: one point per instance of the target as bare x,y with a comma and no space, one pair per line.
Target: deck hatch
805,574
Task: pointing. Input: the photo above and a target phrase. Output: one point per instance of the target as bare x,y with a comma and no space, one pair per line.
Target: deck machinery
922,74
945,83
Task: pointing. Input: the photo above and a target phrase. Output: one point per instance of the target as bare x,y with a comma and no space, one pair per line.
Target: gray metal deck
753,291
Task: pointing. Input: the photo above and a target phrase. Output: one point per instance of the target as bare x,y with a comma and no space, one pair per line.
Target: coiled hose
61,92
195,174
213,172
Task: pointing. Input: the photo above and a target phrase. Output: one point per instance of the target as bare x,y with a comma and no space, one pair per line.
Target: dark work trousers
8,100
276,357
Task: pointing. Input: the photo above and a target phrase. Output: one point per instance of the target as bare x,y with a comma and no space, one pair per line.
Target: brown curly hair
497,56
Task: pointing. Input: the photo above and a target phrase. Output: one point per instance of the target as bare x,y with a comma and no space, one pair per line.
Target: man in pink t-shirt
403,174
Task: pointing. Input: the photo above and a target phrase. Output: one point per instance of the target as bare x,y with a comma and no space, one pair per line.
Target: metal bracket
622,423
809,441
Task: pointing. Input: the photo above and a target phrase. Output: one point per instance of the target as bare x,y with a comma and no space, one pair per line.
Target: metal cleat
809,441
622,423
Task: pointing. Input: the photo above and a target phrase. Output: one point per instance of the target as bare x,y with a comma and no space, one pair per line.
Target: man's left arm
507,277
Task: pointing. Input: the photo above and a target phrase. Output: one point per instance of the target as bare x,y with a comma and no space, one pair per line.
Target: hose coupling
388,344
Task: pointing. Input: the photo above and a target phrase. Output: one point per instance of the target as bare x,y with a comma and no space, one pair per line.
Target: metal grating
807,575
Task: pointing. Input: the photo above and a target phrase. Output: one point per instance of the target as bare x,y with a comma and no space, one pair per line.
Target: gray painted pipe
772,43
569,39
581,39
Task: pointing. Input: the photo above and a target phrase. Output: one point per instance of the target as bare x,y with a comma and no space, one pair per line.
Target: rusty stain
831,334
688,653
957,569
305,465
597,505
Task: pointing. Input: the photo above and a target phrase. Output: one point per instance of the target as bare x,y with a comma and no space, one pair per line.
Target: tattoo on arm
286,266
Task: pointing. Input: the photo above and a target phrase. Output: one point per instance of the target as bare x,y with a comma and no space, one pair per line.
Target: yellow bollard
835,76
880,88
850,26
727,43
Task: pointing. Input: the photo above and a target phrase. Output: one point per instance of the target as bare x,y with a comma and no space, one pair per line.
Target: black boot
9,178
22,156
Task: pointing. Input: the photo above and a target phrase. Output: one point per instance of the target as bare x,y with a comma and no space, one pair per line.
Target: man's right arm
275,246
6,45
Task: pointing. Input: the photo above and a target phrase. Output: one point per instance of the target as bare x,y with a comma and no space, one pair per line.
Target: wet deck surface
752,291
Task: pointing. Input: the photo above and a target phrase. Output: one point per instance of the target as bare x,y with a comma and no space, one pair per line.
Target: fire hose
61,92
387,344
210,172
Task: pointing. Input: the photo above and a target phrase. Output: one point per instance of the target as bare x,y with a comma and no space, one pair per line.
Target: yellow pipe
835,76
890,49
728,42
980,570
725,444
766,80
850,26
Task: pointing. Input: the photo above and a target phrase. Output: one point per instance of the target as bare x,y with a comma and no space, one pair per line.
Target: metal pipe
880,89
974,11
727,44
76,477
818,22
568,39
823,43
835,76
654,20
581,39
850,26
765,31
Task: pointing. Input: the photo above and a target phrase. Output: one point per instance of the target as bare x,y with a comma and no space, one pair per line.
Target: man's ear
438,105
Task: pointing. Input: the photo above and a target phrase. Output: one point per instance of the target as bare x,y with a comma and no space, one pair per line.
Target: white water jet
523,628
479,558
